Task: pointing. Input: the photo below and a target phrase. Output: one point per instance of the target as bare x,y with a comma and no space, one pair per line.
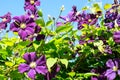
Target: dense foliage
83,45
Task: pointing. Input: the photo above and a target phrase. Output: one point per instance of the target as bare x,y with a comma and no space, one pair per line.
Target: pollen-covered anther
33,64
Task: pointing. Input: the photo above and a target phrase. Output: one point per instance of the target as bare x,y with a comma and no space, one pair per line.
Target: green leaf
72,74
51,62
107,6
10,64
86,75
2,77
49,23
40,13
35,46
64,28
40,22
111,41
24,43
65,62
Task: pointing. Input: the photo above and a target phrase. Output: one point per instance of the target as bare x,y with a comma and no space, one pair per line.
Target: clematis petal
29,30
17,18
41,61
110,63
26,56
41,69
22,34
111,76
109,71
13,27
33,56
118,72
32,73
23,67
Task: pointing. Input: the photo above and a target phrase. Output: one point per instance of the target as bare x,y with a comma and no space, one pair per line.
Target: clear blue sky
50,7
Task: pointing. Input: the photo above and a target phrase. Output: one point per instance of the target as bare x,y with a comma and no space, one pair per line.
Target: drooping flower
24,25
100,73
33,65
113,70
5,19
31,4
116,36
108,49
54,70
40,37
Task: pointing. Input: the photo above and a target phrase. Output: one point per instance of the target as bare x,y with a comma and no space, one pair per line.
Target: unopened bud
62,8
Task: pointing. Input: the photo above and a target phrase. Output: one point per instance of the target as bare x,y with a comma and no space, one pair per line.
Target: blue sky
49,7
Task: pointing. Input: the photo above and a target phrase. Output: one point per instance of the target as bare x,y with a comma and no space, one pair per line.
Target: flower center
22,25
32,64
115,68
32,16
89,20
32,1
4,19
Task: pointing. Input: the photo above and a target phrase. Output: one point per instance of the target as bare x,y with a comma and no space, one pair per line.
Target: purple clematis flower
110,25
33,65
59,24
99,71
108,49
24,25
113,70
116,36
5,19
111,14
118,20
33,14
31,4
72,15
54,70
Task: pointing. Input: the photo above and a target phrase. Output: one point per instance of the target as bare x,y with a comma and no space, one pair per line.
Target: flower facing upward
31,4
113,70
5,19
33,65
24,25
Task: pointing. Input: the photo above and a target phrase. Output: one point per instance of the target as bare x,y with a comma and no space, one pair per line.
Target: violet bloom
5,19
59,24
111,14
108,49
99,71
31,4
116,36
33,14
72,15
89,19
24,25
110,25
33,65
113,70
54,70
118,20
